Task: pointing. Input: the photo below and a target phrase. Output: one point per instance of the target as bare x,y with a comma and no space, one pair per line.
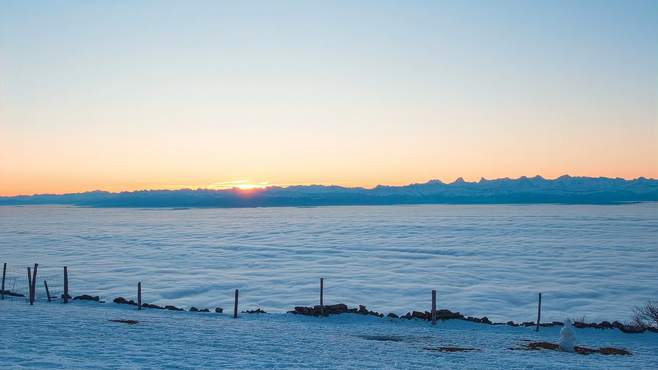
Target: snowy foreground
80,335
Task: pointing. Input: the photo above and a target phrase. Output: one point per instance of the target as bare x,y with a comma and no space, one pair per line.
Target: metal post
538,312
235,306
29,285
66,285
45,284
4,273
322,296
433,307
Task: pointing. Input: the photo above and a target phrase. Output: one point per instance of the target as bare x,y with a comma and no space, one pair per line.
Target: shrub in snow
647,315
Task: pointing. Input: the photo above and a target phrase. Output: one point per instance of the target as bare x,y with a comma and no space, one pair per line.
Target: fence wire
16,282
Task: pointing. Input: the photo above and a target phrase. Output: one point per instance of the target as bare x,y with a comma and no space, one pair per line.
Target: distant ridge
524,190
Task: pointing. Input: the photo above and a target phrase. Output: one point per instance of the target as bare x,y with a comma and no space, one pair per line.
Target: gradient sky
124,95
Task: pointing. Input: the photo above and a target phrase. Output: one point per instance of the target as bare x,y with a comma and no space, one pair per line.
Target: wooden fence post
433,307
538,312
34,282
45,284
322,296
29,285
4,273
235,306
66,285
139,295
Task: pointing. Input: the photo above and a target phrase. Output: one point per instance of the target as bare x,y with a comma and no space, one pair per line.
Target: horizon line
266,185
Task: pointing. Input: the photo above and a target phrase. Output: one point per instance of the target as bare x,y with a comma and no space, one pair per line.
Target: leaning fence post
34,282
139,295
322,296
4,273
538,312
45,284
235,306
29,284
433,307
66,285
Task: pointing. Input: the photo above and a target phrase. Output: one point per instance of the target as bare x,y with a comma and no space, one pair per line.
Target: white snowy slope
79,335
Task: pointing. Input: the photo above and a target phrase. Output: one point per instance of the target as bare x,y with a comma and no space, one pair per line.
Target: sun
251,186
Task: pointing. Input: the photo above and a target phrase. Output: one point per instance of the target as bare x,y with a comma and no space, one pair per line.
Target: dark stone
86,297
173,308
194,309
204,310
129,322
219,310
447,315
258,310
121,300
577,349
450,349
392,316
149,305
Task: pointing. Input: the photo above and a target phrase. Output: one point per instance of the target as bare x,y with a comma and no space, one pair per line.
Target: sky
126,95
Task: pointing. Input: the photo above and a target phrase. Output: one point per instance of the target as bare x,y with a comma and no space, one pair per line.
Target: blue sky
155,94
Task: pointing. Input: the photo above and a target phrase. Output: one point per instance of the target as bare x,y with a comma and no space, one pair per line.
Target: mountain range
524,190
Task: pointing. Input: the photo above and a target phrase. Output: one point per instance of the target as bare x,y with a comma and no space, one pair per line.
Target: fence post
235,306
433,307
538,312
34,282
139,295
45,284
29,284
66,285
322,296
4,273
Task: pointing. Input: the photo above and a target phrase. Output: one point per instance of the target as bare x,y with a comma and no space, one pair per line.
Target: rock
576,349
614,351
334,309
149,305
129,322
447,315
258,310
173,308
121,300
204,310
451,349
392,316
219,310
86,297
194,309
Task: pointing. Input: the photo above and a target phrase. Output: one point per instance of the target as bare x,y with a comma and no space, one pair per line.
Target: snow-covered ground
79,335
592,261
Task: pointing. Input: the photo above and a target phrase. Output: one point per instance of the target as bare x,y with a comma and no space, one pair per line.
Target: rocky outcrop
533,346
219,310
258,310
86,297
121,300
334,309
155,306
129,322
